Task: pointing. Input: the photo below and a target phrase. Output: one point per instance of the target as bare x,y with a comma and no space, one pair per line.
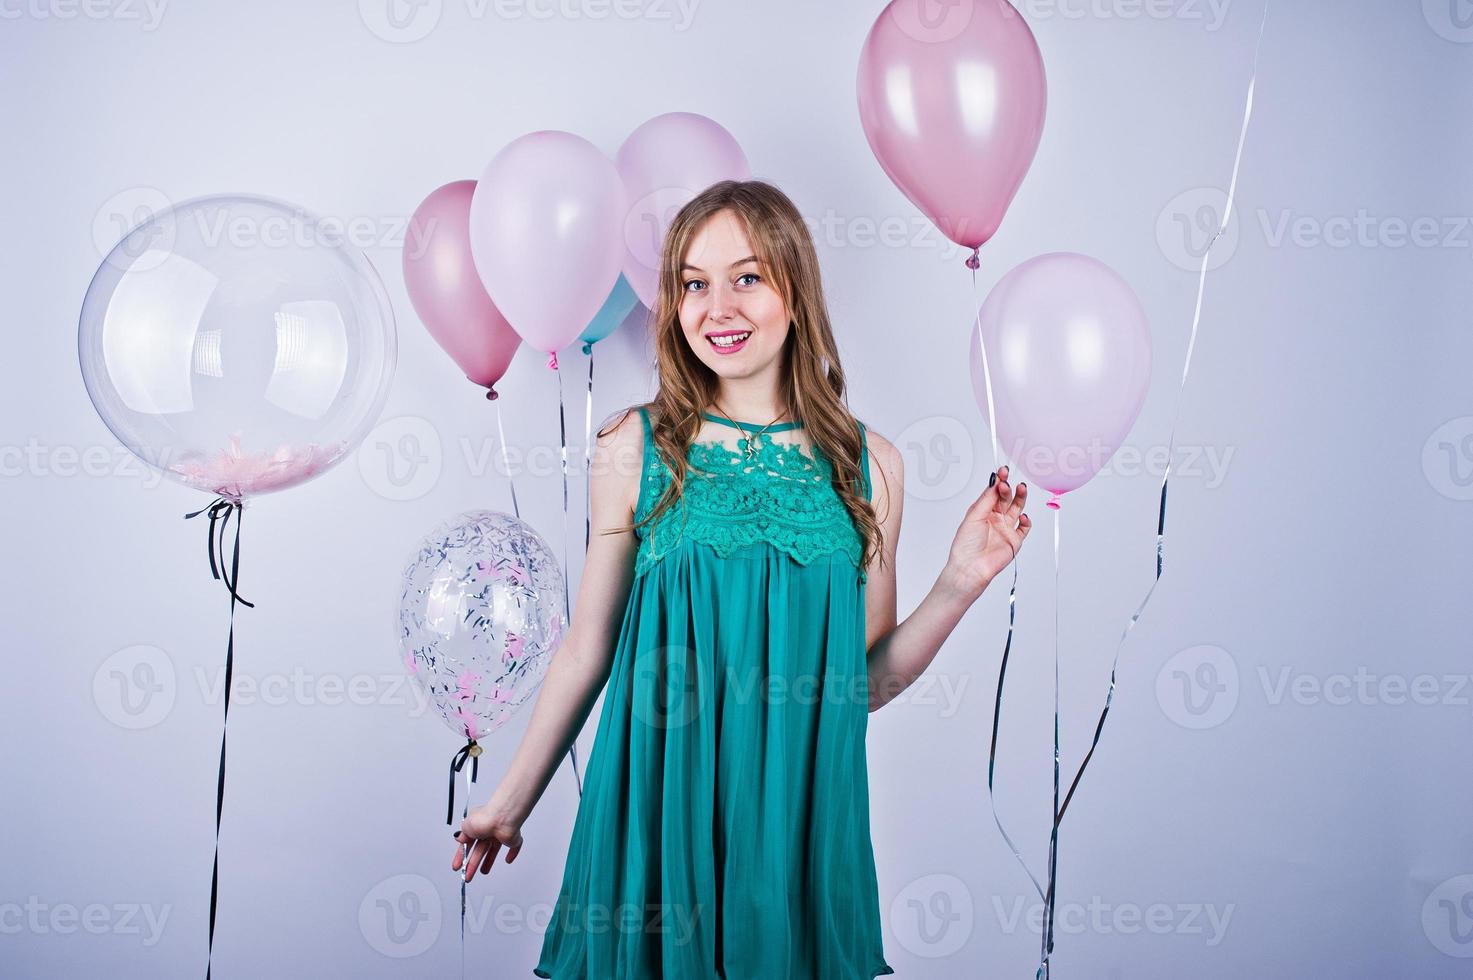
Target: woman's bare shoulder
618,461
879,446
886,470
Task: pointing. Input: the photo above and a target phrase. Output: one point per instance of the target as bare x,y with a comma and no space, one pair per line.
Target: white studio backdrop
1282,788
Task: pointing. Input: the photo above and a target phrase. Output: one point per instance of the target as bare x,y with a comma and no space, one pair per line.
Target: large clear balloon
1069,355
480,616
237,344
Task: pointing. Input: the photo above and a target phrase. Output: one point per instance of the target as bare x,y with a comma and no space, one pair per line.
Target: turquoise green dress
723,830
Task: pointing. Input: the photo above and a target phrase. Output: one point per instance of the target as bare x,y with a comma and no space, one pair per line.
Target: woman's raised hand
992,530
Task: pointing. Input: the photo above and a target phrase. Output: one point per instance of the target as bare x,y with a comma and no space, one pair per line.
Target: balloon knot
588,348
1053,502
973,262
491,394
552,360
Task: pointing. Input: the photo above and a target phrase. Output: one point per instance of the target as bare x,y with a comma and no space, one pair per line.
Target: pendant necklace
750,444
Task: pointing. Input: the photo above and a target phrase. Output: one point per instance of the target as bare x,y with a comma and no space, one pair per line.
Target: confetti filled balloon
481,614
238,344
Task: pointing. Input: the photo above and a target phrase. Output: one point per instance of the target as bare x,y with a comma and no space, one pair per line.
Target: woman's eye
749,279
692,285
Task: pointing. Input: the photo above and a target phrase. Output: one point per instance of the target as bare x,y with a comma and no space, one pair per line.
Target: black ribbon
472,751
219,513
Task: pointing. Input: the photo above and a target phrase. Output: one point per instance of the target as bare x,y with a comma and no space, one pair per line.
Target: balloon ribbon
219,513
470,750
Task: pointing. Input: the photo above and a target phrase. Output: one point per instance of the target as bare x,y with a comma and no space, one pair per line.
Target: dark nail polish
992,479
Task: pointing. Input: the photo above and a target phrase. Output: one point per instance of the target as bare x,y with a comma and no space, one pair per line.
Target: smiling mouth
729,340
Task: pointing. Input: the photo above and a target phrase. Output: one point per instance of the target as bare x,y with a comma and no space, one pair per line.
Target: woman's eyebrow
684,266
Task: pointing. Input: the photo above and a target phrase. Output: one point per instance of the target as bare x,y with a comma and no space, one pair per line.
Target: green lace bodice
780,495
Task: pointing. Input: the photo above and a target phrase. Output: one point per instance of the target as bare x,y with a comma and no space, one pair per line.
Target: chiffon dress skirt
724,829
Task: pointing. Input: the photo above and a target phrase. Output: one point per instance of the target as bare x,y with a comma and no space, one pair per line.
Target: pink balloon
446,290
1069,353
546,232
953,108
664,163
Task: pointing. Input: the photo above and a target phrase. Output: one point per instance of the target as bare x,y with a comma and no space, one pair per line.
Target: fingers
987,502
1015,507
481,854
477,855
1004,489
1018,534
1008,518
1013,534
490,857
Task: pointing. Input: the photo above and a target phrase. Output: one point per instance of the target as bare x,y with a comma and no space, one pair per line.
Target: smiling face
731,314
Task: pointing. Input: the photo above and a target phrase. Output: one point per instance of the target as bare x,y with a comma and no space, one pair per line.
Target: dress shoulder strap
644,416
644,500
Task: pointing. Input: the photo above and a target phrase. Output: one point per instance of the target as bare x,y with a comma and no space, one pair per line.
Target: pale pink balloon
664,163
546,233
952,99
446,291
1069,353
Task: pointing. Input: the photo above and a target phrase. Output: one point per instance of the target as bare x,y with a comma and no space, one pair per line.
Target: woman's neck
756,406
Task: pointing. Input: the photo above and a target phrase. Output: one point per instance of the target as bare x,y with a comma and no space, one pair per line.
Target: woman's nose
721,302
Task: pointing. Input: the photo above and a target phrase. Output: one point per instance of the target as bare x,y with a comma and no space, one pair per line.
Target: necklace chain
752,437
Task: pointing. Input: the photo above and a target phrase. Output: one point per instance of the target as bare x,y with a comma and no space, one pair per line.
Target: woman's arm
991,532
580,666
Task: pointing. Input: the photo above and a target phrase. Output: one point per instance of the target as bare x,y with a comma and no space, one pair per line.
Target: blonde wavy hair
811,389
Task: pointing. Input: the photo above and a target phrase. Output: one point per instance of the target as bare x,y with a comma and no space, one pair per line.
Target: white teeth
731,339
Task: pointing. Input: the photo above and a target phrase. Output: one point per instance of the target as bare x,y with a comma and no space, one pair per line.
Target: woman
739,602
